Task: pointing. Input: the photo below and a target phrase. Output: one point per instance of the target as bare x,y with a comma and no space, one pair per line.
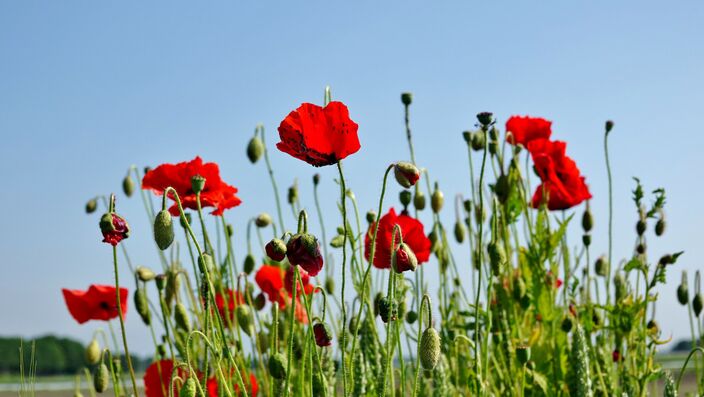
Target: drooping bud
405,198
277,366
255,149
128,185
145,274
523,354
404,259
429,348
249,263
406,174
142,305
601,266
263,220
459,232
101,378
183,321
163,230
205,263
245,318
197,183
114,228
259,302
93,352
419,200
437,199
406,98
371,216
91,206
276,250
587,220
188,389
304,250
323,335
467,136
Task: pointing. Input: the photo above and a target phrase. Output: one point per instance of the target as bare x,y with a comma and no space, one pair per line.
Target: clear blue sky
88,88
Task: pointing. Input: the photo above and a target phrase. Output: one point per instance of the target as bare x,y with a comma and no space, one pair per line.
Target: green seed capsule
419,200
181,317
601,266
430,348
405,197
587,221
523,354
660,227
101,377
163,230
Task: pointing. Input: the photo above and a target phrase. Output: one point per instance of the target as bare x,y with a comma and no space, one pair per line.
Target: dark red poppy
304,250
158,376
323,335
413,236
252,387
616,356
270,280
215,193
233,298
319,135
97,303
305,278
524,129
114,228
561,179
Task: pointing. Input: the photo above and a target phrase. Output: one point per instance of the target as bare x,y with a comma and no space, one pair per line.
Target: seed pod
245,318
91,206
371,216
128,185
142,306
259,302
601,266
188,389
263,220
145,274
459,232
697,304
587,240
255,149
263,340
640,248
683,291
101,376
523,354
580,380
406,98
277,366
502,188
429,348
292,193
411,317
660,226
641,227
160,281
419,200
437,199
183,321
405,198
377,302
163,230
249,263
478,140
173,285
197,183
229,230
93,352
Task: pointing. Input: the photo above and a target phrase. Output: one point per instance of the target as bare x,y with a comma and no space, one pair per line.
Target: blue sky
89,88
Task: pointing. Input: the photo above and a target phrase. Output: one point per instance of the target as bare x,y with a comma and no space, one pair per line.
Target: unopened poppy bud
493,147
160,280
566,324
406,174
101,377
429,348
145,274
497,257
263,339
330,285
419,200
93,352
114,228
304,250
697,304
666,259
249,263
163,230
387,309
205,263
609,125
91,206
161,350
683,291
316,179
411,317
459,232
263,220
478,140
181,317
255,149
277,366
245,318
259,302
660,226
502,188
337,241
404,259
485,118
142,305
641,227
185,218
293,193
601,266
587,240
437,199
188,389
276,250
587,220
354,325
371,216
128,185
619,286
523,354
406,98
173,285
467,136
323,335
377,301
405,197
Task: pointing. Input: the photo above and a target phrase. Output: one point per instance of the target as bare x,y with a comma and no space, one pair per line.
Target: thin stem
611,215
343,344
122,322
273,180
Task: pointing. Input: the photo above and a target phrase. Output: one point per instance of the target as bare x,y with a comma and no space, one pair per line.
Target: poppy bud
467,135
323,335
587,220
163,230
566,324
183,221
609,125
142,306
523,354
114,228
255,149
519,288
276,250
459,232
160,280
249,263
660,226
406,174
587,240
619,286
377,301
601,266
478,140
354,325
429,348
485,118
437,199
640,248
497,257
304,250
404,259
173,285
502,188
93,352
479,214
128,185
697,303
666,259
205,263
101,377
683,291
188,389
277,366
293,193
419,200
330,285
161,350
493,147
91,206
229,230
387,310
245,318
652,326
263,339
405,197
406,98
371,216
145,274
181,317
263,220
641,227
411,317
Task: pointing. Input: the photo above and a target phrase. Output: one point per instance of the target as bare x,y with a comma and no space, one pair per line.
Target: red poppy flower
215,193
323,335
305,278
304,250
319,135
253,387
158,376
413,236
114,228
97,303
234,298
561,179
270,280
524,129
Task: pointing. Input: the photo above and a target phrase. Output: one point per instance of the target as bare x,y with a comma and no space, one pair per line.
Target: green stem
425,300
273,181
343,344
611,216
122,323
